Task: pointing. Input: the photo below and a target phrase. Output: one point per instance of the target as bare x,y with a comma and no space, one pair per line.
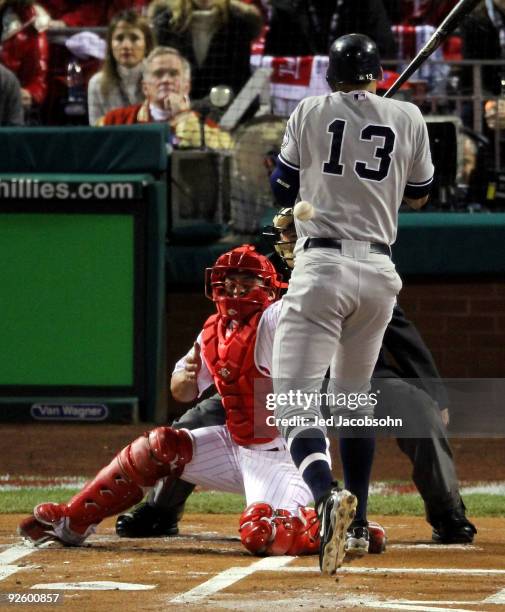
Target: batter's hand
193,363
445,416
176,103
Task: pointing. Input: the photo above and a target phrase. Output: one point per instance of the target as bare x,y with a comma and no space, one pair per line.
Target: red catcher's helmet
242,259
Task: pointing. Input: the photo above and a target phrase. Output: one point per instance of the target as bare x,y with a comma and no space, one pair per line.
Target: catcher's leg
160,514
271,476
162,452
265,531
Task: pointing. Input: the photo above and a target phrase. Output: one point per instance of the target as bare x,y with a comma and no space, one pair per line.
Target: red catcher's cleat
50,523
34,532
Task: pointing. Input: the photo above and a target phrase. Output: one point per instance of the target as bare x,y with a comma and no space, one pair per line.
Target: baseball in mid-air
303,210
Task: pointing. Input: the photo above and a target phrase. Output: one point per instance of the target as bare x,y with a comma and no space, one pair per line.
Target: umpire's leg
434,473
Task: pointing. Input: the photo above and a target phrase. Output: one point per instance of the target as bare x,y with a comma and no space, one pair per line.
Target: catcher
233,349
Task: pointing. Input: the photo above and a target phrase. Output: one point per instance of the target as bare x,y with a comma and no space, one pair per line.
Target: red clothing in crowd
24,50
426,12
91,13
128,115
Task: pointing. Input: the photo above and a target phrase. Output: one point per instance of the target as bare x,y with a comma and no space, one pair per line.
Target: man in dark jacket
483,34
308,27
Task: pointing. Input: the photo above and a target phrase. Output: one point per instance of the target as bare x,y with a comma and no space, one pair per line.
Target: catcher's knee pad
306,540
378,538
161,452
264,531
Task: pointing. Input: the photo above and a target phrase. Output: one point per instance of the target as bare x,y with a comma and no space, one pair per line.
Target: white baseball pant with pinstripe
262,475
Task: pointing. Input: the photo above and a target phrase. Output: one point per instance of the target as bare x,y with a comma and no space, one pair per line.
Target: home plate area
206,567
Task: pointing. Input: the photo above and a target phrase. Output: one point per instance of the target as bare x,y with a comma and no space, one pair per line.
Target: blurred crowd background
225,74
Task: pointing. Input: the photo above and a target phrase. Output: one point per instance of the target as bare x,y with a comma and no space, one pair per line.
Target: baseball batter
354,156
233,350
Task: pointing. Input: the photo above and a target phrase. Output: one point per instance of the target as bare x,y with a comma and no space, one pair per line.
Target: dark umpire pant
434,472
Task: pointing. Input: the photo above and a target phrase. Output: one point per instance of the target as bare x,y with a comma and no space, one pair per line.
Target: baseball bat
448,25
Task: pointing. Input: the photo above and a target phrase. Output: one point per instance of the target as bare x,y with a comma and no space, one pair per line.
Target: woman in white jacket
119,83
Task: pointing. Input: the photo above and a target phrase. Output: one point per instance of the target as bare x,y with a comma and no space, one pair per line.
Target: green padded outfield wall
67,299
82,281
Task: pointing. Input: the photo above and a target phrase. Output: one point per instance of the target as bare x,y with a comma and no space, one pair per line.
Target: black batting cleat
336,510
145,521
357,540
453,528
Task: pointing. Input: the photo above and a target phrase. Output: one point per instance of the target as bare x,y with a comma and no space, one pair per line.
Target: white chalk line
96,585
437,547
401,570
10,556
497,598
392,605
229,577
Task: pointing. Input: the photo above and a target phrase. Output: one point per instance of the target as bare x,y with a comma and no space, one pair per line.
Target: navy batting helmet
353,58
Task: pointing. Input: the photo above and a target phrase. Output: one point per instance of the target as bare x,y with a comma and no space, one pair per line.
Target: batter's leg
335,307
306,338
357,455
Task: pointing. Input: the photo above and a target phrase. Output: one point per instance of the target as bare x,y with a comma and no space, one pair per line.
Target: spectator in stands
166,84
119,83
484,38
425,12
11,109
308,27
482,32
215,36
87,13
24,47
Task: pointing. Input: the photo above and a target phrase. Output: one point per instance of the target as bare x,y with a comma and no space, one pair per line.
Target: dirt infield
58,450
207,568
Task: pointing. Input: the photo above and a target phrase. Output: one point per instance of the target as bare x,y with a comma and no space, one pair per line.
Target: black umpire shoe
336,511
453,528
144,521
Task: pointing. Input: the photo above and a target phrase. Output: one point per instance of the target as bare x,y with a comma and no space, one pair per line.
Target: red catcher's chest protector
230,360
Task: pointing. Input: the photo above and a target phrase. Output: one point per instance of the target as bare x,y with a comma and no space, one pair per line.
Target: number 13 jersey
357,155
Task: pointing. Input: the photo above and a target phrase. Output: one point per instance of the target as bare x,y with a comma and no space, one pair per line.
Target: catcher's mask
228,283
283,233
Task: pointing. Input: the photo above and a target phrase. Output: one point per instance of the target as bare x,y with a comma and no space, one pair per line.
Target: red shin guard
162,452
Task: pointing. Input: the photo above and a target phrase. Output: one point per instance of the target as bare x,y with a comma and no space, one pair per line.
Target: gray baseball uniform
357,155
356,152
